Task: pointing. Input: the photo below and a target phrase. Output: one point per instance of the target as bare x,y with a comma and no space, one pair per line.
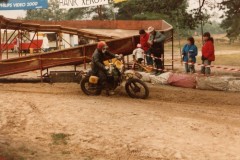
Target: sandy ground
172,124
58,122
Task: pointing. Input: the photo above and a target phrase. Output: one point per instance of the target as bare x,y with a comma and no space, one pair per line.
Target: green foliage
212,27
59,138
149,16
100,13
75,13
52,13
170,10
231,22
231,15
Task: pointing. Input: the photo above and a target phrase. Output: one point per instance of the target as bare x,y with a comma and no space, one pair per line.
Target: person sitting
98,67
208,54
156,48
189,52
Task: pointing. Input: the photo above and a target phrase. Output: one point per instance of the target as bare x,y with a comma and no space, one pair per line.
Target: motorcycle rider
98,67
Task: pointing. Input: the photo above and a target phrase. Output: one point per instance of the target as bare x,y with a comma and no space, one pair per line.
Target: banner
23,4
80,3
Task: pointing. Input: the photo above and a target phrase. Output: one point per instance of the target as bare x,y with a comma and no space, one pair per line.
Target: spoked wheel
136,88
89,88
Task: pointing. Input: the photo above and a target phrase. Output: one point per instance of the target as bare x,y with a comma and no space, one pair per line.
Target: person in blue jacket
189,52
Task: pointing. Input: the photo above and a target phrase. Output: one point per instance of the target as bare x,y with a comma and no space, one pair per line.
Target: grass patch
88,158
59,138
9,155
66,152
228,60
225,60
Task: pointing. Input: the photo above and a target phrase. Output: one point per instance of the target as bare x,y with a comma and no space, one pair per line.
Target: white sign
80,3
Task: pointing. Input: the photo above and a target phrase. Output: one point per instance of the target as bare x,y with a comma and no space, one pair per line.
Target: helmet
139,46
101,45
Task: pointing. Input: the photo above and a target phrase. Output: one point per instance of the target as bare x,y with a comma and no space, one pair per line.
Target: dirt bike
134,87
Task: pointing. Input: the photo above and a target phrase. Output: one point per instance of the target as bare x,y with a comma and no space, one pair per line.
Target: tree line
173,11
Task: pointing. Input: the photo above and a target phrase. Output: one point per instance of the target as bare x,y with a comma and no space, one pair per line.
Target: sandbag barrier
192,81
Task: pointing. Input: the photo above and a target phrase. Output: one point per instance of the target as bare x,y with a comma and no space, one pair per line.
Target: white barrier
204,83
234,86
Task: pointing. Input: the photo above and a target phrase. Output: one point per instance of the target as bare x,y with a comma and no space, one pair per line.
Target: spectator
155,41
208,54
45,44
16,44
144,37
138,54
189,53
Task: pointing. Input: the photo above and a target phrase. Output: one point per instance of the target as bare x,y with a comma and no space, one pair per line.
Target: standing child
189,53
138,54
208,54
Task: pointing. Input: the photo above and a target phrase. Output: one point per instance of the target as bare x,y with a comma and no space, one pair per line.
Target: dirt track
174,123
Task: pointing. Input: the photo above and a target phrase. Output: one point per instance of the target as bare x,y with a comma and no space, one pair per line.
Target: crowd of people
151,47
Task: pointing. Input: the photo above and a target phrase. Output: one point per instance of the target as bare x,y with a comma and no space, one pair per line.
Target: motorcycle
134,87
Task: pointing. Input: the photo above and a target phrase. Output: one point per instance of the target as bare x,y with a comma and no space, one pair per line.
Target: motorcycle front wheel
89,88
136,88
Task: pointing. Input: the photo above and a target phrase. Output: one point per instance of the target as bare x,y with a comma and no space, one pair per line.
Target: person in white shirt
138,54
45,44
16,44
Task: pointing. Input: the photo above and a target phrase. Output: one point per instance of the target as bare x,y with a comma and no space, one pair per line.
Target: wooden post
84,53
172,48
201,21
21,43
0,41
7,42
18,42
41,68
37,42
57,43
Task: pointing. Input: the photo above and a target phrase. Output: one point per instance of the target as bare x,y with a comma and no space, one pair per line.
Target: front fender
132,74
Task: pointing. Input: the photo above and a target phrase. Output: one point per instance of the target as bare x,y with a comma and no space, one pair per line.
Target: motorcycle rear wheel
136,88
89,88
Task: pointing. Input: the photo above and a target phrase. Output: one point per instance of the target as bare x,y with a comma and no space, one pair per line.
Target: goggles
105,48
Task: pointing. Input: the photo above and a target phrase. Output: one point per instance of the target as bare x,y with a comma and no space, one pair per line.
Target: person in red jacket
208,54
144,37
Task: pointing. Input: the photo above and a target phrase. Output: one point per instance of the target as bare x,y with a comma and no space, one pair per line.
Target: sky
192,4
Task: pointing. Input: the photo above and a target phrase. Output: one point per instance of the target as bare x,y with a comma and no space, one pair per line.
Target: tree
102,12
170,10
212,27
76,13
231,17
52,13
